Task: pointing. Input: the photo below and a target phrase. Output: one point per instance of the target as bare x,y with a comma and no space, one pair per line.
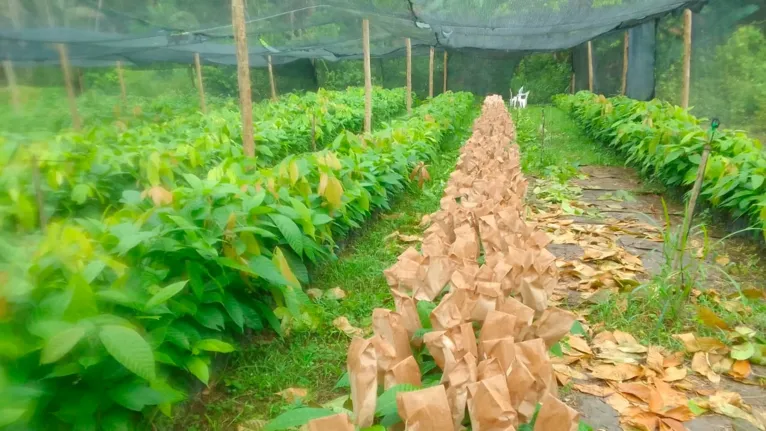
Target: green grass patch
247,387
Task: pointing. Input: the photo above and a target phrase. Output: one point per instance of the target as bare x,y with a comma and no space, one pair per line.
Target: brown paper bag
390,327
489,405
534,355
459,376
362,366
385,355
435,343
438,273
521,389
523,314
555,415
497,325
554,324
447,314
503,350
488,368
339,422
406,371
425,410
405,306
464,339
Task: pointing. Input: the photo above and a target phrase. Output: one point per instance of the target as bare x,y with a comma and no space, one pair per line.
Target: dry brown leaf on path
618,372
674,360
627,343
344,325
578,343
710,319
314,293
674,374
567,371
730,404
655,360
618,402
693,344
292,394
599,391
335,293
722,260
701,365
740,370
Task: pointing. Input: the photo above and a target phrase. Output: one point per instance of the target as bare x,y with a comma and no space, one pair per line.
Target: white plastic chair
522,98
514,100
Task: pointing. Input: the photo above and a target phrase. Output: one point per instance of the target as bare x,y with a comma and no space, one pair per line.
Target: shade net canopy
139,32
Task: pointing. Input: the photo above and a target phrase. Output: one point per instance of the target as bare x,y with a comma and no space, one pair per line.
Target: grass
246,388
566,147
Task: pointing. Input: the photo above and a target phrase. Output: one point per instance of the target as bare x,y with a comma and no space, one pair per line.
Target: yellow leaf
292,394
294,172
251,243
281,263
334,192
709,318
323,180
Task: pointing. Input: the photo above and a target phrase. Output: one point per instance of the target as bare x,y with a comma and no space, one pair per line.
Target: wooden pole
98,14
367,76
625,47
200,85
687,58
408,44
689,215
431,74
590,66
572,84
64,59
243,76
10,75
445,71
313,131
272,82
123,92
38,194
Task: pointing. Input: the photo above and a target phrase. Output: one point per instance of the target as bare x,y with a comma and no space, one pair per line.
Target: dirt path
607,237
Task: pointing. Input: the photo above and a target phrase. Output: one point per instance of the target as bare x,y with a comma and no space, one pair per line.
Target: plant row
82,173
103,320
666,143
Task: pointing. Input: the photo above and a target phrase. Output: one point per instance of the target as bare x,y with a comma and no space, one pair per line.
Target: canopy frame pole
200,85
10,75
685,89
367,76
590,66
408,44
625,48
572,84
272,81
243,77
64,60
121,77
431,74
445,71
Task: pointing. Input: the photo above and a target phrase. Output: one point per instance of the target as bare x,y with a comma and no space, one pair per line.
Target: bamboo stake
572,84
408,44
313,131
625,48
38,194
243,76
10,75
272,82
123,92
200,85
367,76
590,66
445,71
687,58
431,74
64,59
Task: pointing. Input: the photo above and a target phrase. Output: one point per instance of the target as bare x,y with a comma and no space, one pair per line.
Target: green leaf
270,317
577,329
743,352
165,293
756,180
582,426
290,231
213,345
80,193
118,420
196,279
374,428
198,368
344,382
129,349
60,344
424,312
9,415
556,350
135,396
210,317
263,267
296,418
386,404
234,308
389,421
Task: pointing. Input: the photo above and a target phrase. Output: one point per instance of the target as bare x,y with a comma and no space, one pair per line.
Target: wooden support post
408,44
625,47
590,66
272,82
687,58
572,84
10,76
243,76
689,214
445,72
431,74
98,14
39,194
200,85
367,76
123,92
64,59
313,131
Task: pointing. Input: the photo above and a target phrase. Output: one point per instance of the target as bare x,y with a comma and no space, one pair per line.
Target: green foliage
158,288
665,143
543,75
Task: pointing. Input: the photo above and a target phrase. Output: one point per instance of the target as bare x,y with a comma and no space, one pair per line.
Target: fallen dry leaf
159,195
655,360
694,344
335,293
730,404
344,325
568,371
618,372
722,260
674,374
599,391
710,319
314,293
740,370
618,402
673,360
701,366
579,343
292,394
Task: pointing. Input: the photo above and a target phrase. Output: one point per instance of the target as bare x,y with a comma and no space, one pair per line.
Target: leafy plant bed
665,142
103,320
82,174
